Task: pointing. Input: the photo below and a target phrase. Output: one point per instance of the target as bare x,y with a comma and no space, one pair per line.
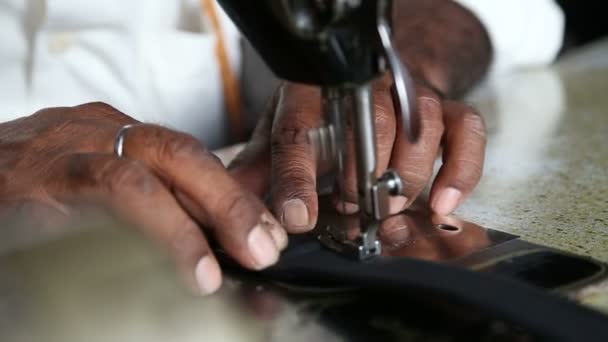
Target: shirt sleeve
524,33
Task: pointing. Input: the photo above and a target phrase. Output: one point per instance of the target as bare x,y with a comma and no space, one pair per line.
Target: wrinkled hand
167,185
280,158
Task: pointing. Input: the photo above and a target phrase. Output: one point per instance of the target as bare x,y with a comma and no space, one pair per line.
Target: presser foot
361,248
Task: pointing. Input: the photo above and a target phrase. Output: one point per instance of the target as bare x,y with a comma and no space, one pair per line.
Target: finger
414,161
463,157
251,167
385,128
294,194
239,220
279,237
130,190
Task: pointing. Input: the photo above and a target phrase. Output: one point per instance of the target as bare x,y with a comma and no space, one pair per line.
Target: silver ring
119,142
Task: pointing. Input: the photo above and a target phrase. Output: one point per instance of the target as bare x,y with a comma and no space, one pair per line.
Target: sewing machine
346,44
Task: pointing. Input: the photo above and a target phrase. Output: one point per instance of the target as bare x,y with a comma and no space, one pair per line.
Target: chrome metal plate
415,233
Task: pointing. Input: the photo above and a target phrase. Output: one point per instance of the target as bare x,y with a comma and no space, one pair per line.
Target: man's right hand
167,185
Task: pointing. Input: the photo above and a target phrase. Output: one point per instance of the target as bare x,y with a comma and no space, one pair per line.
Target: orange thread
230,82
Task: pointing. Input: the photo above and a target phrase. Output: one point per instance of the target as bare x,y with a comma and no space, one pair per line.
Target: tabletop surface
545,179
546,172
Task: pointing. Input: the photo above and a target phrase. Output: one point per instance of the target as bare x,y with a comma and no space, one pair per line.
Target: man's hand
167,185
280,157
447,51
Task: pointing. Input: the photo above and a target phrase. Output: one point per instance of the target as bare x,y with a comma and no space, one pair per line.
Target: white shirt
155,59
152,59
524,33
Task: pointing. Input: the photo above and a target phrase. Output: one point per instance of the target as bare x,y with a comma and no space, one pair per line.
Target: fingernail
278,234
295,214
207,275
447,201
397,204
347,207
262,247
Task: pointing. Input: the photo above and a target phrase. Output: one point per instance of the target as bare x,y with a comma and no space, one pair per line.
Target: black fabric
543,314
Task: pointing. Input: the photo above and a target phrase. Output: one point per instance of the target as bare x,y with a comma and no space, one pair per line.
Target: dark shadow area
585,22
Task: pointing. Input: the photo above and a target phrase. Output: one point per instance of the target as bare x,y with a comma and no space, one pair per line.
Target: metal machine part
374,192
346,44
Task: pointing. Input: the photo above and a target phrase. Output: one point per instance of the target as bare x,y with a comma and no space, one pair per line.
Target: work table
546,174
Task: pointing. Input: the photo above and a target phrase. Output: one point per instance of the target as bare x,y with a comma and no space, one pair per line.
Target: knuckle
130,176
469,172
290,161
48,115
415,178
299,186
76,167
236,205
294,181
103,110
414,183
291,126
385,119
296,113
99,106
429,105
289,135
181,146
475,123
181,239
